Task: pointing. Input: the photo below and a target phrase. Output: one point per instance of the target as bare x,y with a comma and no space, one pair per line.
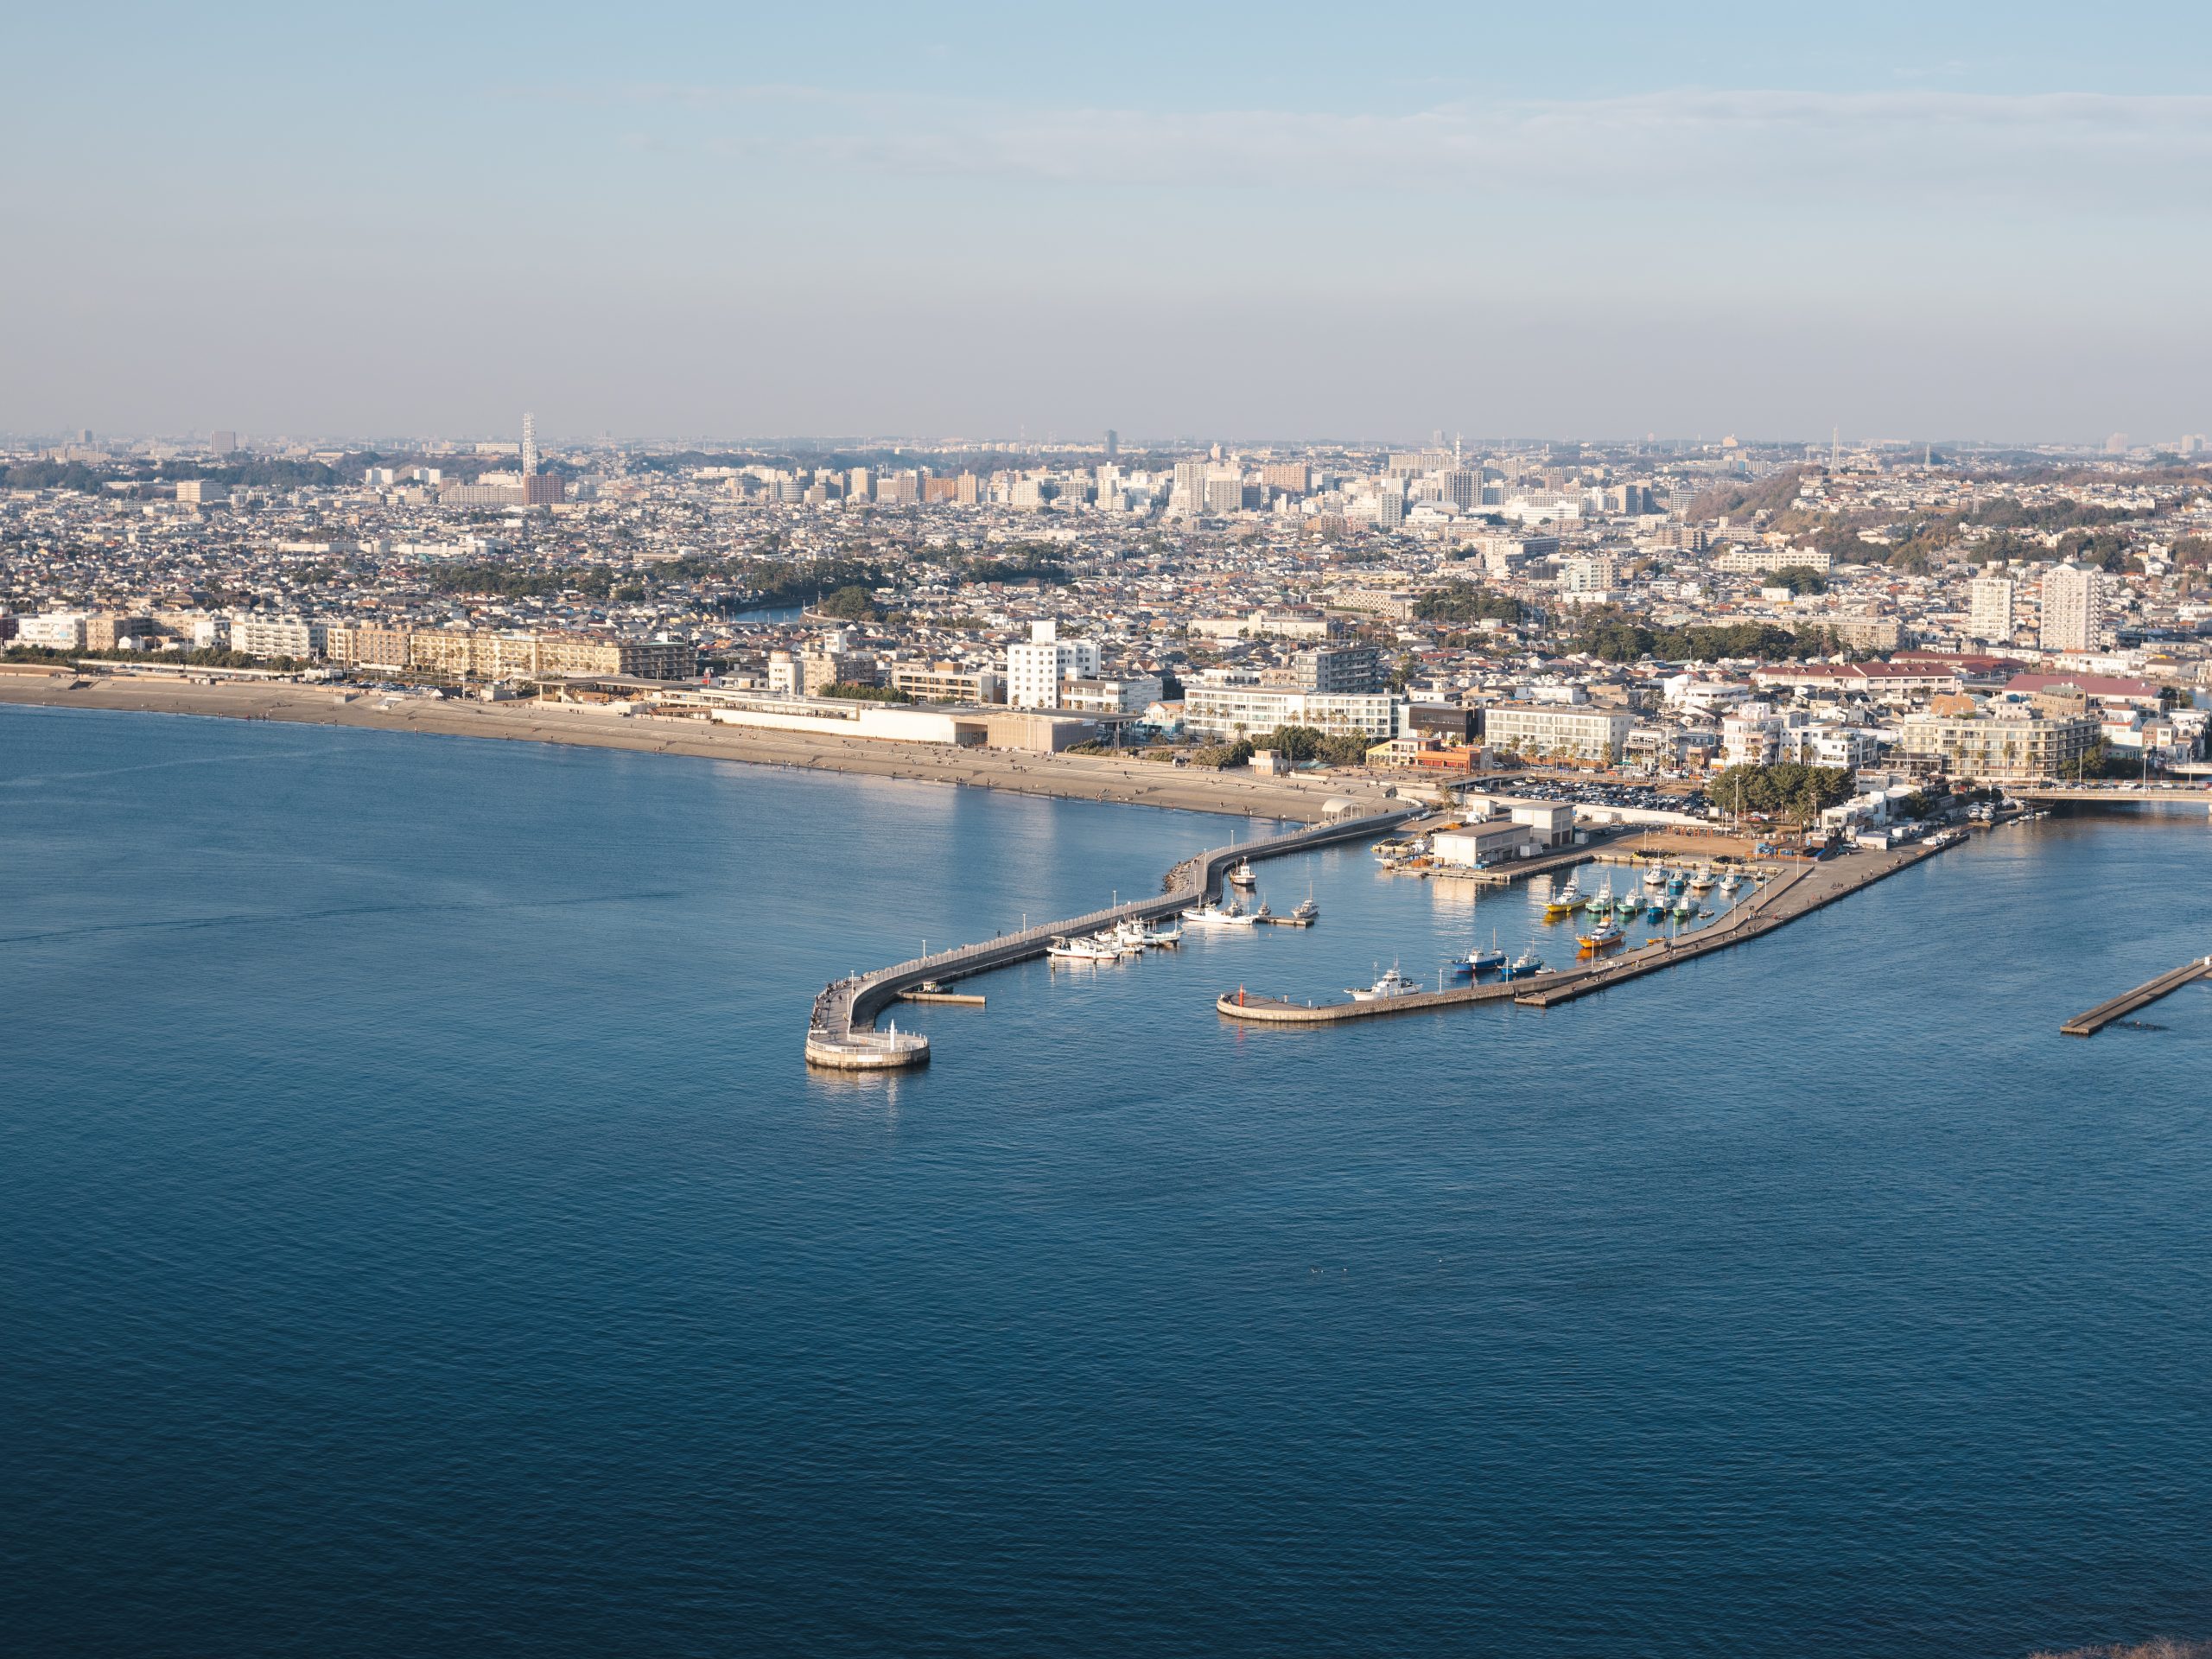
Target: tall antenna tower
529,445
1835,442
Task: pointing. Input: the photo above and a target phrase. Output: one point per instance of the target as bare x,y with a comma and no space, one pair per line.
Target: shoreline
1065,776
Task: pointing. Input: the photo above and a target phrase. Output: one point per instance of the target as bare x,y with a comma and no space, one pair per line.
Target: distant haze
978,220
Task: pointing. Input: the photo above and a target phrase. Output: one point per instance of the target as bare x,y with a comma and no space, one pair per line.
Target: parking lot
1592,793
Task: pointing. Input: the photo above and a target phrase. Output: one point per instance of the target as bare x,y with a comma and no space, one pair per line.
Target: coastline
1072,777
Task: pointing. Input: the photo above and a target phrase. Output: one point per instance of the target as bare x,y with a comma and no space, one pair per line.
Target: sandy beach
1080,777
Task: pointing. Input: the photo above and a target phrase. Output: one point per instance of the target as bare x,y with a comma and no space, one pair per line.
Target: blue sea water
418,1235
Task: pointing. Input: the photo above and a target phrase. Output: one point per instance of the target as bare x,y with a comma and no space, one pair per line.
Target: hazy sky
1289,220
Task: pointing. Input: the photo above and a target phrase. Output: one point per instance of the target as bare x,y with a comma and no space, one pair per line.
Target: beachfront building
1558,731
1996,747
1034,669
1123,695
946,682
508,656
276,636
1242,709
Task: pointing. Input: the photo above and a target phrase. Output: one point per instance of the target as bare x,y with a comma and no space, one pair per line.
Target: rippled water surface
418,1235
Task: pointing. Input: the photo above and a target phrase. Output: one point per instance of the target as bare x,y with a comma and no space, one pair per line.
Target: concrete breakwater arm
842,1034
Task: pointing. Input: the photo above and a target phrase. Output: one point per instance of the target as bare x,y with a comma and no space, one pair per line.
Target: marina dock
2089,1024
1795,892
841,1034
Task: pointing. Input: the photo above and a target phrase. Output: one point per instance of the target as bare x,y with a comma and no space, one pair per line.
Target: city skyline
1292,222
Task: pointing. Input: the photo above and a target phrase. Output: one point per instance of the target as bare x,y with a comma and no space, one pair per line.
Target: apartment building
490,656
1129,694
278,636
1998,747
1034,669
1755,561
2073,609
946,682
1230,709
1990,615
1553,731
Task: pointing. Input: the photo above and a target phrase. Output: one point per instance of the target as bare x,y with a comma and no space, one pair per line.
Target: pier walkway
841,1034
2089,1024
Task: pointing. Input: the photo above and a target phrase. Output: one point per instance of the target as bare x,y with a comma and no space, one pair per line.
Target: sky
1923,222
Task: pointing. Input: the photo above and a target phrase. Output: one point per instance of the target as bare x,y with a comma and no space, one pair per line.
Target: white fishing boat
1212,915
1240,873
1389,984
1063,949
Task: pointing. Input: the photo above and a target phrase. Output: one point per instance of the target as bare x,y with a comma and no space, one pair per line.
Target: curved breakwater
841,1034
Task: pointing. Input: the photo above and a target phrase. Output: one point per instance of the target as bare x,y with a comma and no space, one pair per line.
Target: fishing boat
1628,906
1063,949
1684,910
1213,915
1523,965
1479,961
1602,937
1604,902
1704,880
1655,876
1564,901
1307,913
1240,873
1389,984
1676,881
1731,881
1657,912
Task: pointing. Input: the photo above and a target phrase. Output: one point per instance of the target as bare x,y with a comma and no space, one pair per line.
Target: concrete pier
1797,892
2089,1024
841,1034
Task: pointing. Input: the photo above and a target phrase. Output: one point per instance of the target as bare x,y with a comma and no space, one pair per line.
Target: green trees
1615,636
1467,602
1222,756
1785,790
1296,744
1799,579
854,603
853,693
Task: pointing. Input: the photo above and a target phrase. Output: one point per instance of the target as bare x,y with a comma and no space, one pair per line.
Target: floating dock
2089,1024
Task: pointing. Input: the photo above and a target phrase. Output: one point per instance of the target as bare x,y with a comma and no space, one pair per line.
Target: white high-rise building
529,445
2073,609
1991,617
1034,671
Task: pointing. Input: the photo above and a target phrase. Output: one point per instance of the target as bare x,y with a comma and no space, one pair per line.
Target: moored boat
1523,965
1602,937
1213,915
1389,984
